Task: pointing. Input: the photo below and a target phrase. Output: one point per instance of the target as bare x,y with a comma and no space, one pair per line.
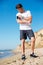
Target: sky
9,28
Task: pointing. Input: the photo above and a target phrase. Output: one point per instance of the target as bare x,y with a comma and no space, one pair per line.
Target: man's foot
32,55
23,57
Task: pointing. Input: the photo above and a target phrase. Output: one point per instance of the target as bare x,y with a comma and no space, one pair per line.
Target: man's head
19,7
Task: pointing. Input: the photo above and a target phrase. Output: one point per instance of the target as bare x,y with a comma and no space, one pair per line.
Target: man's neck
23,11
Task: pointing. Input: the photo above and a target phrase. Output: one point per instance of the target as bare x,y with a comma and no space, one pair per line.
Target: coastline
5,53
16,59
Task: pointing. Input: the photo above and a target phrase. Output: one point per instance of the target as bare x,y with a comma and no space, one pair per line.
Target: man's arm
29,19
25,20
21,21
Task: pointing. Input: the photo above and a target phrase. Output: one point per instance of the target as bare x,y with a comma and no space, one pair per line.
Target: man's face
20,10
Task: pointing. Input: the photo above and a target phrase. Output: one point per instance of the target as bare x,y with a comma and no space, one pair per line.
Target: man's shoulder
28,11
17,14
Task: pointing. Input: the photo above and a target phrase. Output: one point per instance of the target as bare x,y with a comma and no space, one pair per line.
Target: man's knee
23,40
32,39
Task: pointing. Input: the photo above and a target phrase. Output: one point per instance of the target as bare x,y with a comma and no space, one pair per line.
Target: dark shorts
25,33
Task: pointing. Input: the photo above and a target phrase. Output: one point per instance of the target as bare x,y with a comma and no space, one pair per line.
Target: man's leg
33,47
23,46
31,36
23,49
32,44
23,37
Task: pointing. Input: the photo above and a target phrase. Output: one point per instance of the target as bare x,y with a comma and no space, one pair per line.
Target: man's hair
19,6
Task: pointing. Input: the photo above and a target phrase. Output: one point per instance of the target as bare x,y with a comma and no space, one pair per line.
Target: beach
16,59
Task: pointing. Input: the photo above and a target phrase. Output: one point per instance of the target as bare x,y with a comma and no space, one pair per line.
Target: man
24,18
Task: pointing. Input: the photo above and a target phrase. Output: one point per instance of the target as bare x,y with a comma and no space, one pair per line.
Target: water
5,53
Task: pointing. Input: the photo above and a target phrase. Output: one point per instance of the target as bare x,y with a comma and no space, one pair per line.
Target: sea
5,53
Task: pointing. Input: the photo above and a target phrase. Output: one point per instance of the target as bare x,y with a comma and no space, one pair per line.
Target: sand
16,59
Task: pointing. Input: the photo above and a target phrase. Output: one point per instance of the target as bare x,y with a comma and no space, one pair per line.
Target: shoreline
5,55
13,60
